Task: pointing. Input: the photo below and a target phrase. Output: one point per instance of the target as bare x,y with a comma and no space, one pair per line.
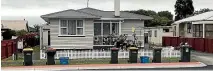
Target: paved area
103,66
206,58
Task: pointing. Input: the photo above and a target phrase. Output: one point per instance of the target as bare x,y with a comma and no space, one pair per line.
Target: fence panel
76,54
199,44
190,41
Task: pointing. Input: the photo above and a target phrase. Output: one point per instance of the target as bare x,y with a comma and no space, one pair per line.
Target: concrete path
104,66
206,58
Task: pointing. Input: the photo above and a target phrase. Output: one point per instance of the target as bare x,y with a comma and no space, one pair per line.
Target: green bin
133,55
28,56
114,56
50,56
185,53
157,55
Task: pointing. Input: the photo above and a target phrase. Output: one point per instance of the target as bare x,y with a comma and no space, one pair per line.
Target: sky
31,10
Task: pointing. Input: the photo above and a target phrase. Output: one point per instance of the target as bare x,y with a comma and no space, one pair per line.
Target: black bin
133,55
50,56
185,53
28,56
114,56
157,55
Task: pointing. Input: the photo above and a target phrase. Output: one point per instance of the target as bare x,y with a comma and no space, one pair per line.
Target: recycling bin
28,56
114,56
144,59
185,53
50,56
64,60
157,55
133,55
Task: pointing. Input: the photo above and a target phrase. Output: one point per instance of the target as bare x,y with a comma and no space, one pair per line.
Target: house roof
208,16
110,14
92,13
15,24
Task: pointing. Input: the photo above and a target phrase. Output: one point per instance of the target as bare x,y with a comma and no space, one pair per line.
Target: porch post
119,27
203,30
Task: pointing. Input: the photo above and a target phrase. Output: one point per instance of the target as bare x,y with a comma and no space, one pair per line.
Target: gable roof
207,16
15,24
93,13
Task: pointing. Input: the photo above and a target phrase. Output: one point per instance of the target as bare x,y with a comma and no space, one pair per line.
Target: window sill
71,35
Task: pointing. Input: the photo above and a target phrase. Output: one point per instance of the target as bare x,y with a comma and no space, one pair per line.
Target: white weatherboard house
155,34
196,26
89,28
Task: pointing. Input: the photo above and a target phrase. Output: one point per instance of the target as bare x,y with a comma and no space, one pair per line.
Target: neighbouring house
15,24
155,34
44,35
90,28
196,26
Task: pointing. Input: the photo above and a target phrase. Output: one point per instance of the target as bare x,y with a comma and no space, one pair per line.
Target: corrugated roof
92,13
69,14
201,17
15,24
110,14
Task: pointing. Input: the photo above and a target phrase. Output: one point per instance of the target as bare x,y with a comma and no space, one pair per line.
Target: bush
21,32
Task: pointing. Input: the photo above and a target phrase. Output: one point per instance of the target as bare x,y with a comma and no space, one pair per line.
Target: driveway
206,58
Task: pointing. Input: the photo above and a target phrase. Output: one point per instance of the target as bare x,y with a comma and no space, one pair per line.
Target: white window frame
67,27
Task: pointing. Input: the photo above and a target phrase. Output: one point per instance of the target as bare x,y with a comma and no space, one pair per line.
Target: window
198,30
209,30
165,30
155,33
71,27
174,32
189,25
150,33
106,27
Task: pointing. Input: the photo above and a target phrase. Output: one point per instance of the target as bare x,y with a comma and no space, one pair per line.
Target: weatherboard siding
71,42
126,27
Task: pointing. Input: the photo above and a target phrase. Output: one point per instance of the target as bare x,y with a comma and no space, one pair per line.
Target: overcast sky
34,8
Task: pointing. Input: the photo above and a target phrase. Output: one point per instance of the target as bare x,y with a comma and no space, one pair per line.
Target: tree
8,34
21,32
166,14
183,9
36,27
202,11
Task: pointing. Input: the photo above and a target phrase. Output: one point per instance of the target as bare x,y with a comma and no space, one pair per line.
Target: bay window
103,29
71,27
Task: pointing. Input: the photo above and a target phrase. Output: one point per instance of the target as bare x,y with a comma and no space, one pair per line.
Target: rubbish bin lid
27,49
133,48
51,49
114,48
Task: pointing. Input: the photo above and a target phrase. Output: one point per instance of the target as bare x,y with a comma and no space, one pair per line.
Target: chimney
117,8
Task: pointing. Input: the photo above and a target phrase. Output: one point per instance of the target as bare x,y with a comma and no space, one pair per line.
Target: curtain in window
72,27
63,27
80,27
115,28
106,28
198,30
209,30
97,28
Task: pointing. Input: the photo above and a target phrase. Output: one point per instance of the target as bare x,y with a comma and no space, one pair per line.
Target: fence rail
77,54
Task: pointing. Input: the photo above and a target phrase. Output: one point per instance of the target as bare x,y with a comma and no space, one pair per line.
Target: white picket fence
77,54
